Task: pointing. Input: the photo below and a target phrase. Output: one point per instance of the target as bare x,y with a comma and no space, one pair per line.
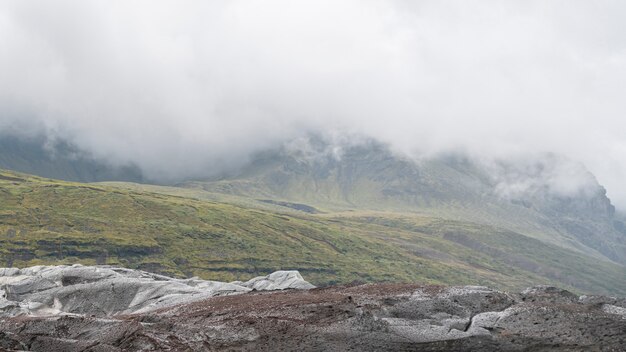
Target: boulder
279,280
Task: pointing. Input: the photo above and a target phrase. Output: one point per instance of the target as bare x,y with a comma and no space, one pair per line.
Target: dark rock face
380,317
49,157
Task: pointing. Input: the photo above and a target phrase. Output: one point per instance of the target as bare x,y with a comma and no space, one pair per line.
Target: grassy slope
326,195
373,178
48,222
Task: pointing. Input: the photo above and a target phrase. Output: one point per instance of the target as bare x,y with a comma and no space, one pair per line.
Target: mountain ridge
336,214
369,176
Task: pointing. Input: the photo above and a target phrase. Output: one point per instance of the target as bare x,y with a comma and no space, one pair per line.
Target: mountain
57,158
548,198
336,213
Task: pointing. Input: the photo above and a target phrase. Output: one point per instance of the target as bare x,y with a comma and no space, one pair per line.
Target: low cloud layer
179,87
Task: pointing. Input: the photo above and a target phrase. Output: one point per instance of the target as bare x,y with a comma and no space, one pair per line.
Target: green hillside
178,232
369,176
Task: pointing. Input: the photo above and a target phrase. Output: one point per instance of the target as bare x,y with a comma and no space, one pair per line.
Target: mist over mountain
58,159
544,195
154,152
518,179
178,89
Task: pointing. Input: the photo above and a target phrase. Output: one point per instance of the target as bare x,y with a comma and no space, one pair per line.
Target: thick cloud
182,86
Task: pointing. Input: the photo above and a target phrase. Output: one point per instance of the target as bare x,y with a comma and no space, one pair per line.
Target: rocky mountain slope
545,197
373,317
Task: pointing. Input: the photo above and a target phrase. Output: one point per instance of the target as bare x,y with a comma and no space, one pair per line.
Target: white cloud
182,86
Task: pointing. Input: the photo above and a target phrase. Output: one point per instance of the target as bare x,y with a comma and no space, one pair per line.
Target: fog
181,87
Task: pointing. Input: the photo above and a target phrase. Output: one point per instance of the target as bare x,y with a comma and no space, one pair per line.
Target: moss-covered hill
45,221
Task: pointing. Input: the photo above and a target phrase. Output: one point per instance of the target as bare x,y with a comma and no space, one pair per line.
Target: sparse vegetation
45,221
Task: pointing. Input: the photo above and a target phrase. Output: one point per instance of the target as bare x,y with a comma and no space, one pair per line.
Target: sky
179,87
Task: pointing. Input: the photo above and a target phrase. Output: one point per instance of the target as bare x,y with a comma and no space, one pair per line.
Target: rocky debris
548,294
106,291
372,317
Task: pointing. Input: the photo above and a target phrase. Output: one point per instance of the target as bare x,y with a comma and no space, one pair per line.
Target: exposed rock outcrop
373,317
106,291
279,280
